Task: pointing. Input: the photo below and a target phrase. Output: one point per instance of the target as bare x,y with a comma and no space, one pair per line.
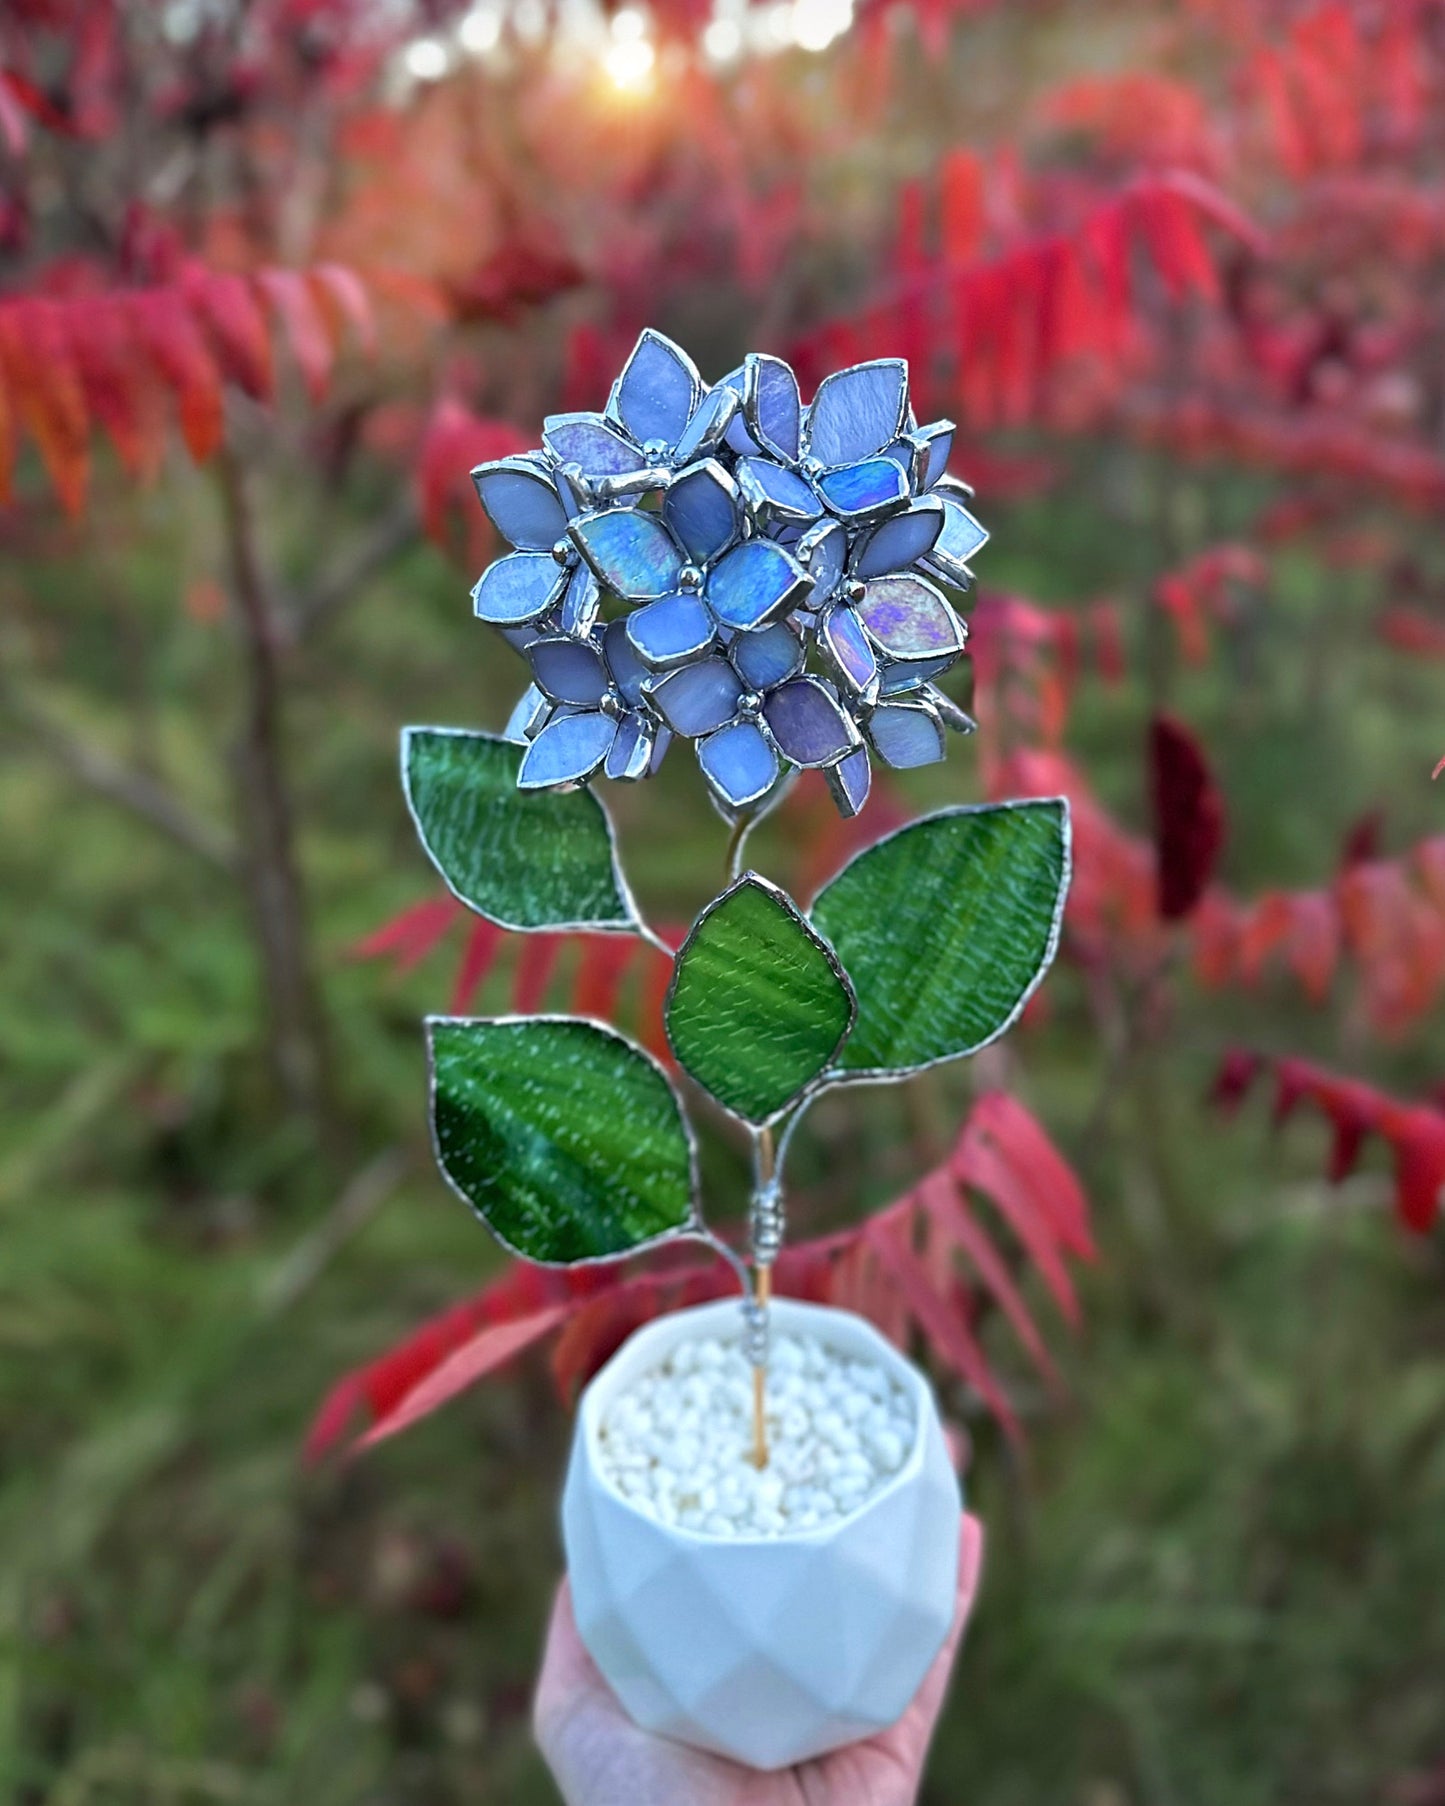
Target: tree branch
135,791
350,573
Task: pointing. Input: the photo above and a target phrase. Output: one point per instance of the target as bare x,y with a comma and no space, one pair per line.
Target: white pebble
678,1443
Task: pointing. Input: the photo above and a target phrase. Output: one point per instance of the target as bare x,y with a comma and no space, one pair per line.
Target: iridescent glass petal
844,643
864,492
632,552
907,618
754,584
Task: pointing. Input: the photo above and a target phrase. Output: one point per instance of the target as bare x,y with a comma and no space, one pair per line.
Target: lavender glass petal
698,698
569,671
807,723
906,734
630,755
850,780
900,541
709,424
591,442
773,406
628,670
765,658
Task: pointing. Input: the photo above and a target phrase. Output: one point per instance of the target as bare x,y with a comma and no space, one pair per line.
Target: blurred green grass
1214,1578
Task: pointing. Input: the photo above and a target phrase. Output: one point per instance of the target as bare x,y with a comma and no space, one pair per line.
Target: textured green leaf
945,929
758,1004
522,858
564,1138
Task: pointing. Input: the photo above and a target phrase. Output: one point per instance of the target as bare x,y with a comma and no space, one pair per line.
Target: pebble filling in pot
677,1443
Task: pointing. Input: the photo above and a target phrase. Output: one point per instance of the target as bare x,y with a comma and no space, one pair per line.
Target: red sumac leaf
41,374
301,319
173,338
1188,817
942,1325
490,1348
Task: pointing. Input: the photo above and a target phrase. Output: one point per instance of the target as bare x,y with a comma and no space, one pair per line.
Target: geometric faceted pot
767,1649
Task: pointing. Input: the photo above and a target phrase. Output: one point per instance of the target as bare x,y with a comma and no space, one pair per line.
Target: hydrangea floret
767,580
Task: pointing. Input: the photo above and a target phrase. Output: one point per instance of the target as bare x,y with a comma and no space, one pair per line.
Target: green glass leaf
758,1004
945,929
566,1139
528,859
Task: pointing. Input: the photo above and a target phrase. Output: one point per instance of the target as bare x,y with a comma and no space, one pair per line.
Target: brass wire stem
765,1215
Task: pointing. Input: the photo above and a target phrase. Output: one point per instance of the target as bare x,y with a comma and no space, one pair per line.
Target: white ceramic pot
766,1649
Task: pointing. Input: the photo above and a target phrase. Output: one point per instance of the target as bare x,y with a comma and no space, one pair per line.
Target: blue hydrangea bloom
764,579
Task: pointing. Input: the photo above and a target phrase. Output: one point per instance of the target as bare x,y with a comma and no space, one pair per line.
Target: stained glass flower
723,564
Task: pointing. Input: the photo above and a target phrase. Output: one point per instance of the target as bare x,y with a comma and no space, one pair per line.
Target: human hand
599,1757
